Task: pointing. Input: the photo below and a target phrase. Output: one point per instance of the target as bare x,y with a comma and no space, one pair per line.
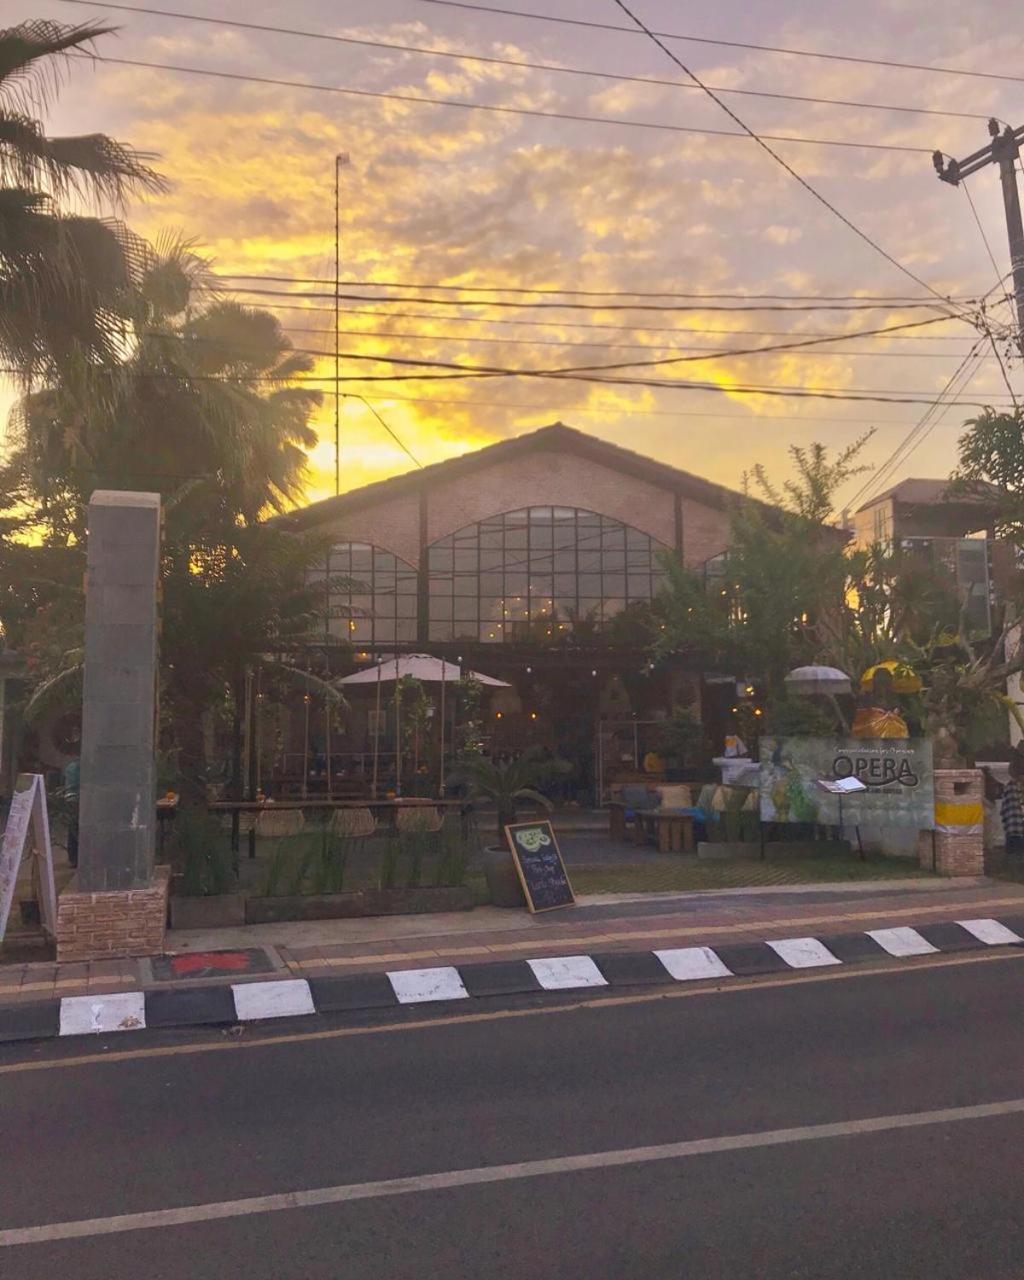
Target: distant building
920,518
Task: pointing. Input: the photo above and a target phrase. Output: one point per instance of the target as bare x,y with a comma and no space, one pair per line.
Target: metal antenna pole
339,160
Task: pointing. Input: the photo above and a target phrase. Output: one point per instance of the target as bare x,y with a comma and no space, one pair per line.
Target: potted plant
506,784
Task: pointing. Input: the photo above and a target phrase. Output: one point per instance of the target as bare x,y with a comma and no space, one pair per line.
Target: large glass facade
537,573
383,593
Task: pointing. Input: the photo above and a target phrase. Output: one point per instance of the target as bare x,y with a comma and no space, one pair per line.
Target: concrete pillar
117,806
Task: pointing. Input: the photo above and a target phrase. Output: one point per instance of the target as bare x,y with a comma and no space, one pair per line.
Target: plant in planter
506,784
206,895
680,737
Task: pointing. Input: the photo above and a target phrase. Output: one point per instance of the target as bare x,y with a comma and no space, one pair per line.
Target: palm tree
203,410
66,280
505,783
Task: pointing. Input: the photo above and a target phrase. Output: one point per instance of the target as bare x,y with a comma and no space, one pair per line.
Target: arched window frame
537,573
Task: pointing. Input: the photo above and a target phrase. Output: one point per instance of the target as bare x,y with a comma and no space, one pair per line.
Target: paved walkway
607,922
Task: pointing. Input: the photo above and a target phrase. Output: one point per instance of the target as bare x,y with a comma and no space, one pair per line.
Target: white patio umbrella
811,680
420,666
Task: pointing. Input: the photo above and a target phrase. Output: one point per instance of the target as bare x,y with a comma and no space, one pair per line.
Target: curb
241,1003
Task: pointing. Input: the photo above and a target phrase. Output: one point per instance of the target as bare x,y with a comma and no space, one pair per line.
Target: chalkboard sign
539,864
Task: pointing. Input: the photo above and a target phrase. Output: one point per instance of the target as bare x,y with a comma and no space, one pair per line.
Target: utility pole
339,160
1003,150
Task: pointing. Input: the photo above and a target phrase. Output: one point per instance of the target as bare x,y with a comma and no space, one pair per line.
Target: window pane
440,559
466,584
466,561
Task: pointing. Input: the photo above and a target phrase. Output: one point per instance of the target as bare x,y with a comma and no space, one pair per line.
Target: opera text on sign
897,774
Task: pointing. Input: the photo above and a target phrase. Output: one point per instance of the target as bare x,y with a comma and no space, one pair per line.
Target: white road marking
990,932
91,1015
415,986
688,964
902,941
346,1193
561,973
285,999
803,953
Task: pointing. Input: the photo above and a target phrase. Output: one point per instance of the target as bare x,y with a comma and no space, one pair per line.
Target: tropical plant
505,783
202,410
67,280
680,735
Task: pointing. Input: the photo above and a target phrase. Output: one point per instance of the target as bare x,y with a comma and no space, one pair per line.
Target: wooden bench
670,830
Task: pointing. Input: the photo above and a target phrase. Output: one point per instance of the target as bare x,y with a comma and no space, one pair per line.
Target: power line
575,369
576,324
888,299
500,109
818,393
593,345
506,303
349,395
763,143
545,407
730,44
493,60
875,481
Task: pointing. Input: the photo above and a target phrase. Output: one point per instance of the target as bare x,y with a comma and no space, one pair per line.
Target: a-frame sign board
28,826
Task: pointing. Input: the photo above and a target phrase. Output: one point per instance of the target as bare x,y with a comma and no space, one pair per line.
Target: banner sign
28,820
897,774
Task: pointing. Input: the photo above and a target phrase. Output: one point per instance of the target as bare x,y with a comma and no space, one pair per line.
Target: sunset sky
442,195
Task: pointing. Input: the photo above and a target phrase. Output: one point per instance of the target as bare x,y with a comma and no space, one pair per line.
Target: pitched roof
928,493
556,437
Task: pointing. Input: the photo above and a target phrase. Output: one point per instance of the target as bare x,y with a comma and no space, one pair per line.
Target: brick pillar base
959,795
114,924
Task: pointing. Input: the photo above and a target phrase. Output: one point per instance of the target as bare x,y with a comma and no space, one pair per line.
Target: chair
353,823
420,818
675,795
637,798
279,824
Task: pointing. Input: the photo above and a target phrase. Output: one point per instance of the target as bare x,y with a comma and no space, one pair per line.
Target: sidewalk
604,923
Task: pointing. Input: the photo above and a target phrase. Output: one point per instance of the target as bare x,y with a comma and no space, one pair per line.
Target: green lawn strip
694,875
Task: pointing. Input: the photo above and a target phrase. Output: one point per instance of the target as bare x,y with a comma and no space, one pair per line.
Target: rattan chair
279,824
353,823
420,818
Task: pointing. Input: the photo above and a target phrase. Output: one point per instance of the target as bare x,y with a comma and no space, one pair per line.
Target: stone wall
114,924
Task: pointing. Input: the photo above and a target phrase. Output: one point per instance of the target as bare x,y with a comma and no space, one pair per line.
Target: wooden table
671,830
237,807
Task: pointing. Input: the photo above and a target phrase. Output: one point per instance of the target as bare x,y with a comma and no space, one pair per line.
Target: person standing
1011,809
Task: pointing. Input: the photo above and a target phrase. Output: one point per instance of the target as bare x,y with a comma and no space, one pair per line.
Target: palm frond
58,693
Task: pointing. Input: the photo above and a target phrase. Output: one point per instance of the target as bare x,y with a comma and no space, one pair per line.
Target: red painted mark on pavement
226,960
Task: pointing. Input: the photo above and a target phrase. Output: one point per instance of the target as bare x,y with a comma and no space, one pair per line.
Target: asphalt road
917,1195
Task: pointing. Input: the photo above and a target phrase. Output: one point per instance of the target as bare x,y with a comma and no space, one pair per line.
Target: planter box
312,906
220,910
400,902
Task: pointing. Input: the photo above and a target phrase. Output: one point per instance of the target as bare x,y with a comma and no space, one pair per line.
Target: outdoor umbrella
419,666
904,680
810,680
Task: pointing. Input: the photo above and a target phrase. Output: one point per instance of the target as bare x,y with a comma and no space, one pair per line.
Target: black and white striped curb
297,997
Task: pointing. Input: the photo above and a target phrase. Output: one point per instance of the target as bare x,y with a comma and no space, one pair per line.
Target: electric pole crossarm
1008,141
1003,150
